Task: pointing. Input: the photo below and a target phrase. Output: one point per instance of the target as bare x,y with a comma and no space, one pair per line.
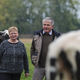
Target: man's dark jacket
37,43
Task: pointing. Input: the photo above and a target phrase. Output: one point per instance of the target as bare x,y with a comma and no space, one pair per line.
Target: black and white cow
3,35
63,60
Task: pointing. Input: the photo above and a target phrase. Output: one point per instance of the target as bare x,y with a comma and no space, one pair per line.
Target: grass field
27,43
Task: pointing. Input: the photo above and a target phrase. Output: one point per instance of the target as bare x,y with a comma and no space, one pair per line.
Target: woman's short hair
12,28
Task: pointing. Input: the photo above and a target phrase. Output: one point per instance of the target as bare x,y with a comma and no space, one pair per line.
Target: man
39,48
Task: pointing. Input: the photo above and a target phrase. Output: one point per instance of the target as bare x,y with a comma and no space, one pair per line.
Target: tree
64,14
12,13
27,15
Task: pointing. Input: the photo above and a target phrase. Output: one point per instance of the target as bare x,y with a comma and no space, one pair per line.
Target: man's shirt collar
50,33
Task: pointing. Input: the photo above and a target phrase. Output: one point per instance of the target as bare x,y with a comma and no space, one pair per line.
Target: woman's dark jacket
13,57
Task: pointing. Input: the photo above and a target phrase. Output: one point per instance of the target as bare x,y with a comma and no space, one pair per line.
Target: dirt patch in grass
26,40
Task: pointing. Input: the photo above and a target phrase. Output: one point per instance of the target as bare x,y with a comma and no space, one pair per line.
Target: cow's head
64,57
4,35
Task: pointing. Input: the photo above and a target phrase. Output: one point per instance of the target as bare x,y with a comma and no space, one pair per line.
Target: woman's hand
26,74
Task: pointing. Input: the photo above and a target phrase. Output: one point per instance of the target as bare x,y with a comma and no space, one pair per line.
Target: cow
63,59
4,35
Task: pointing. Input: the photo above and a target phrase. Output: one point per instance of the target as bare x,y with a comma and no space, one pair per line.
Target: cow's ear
66,62
78,64
62,54
78,59
52,61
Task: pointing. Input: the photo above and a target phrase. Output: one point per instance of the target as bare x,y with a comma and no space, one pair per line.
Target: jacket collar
41,32
50,33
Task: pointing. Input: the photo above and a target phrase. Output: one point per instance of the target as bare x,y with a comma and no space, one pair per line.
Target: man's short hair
49,19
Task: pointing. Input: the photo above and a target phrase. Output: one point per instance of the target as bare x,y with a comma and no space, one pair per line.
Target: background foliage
27,15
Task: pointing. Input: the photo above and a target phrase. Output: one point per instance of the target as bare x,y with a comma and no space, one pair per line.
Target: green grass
27,43
31,67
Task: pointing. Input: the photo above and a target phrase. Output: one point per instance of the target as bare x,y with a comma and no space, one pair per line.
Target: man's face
47,26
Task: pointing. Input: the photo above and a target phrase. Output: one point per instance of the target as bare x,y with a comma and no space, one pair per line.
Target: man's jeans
39,73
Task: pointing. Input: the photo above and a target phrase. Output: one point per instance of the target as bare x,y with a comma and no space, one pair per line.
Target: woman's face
13,35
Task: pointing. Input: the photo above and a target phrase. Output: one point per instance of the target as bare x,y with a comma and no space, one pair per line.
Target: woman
13,57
